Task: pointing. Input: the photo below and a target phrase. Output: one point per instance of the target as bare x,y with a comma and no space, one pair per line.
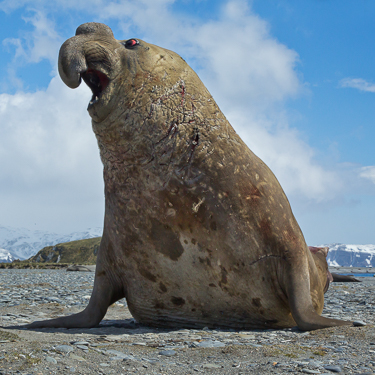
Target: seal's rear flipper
301,304
308,319
336,277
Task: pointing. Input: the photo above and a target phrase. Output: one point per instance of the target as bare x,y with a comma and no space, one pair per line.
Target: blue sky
295,79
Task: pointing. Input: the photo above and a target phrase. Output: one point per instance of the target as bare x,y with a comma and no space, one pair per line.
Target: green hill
75,252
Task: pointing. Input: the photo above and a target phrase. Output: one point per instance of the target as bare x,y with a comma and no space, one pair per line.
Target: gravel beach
120,346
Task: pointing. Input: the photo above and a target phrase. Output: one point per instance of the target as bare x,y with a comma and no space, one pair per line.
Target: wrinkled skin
197,230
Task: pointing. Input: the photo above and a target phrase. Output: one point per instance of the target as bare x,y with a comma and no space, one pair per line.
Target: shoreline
349,270
364,274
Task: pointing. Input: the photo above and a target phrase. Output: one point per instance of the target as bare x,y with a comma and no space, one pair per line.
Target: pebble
77,357
333,368
64,348
119,346
209,344
211,366
83,347
115,352
51,360
358,323
80,343
168,353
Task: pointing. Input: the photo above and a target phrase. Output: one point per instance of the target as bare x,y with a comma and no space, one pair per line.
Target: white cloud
368,173
41,43
44,41
19,50
358,83
246,65
46,131
50,160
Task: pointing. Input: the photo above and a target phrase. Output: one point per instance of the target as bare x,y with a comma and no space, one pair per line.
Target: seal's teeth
97,82
94,99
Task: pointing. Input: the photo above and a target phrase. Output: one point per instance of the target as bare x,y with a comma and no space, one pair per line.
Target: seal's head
148,107
110,67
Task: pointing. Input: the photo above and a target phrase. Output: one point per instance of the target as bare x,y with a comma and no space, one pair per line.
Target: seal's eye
131,43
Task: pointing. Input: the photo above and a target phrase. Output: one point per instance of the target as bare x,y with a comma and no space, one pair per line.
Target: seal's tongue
97,81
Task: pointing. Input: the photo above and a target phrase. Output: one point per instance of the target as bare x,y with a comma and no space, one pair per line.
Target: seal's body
197,230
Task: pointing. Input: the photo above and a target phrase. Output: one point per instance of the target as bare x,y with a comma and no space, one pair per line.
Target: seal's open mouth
97,81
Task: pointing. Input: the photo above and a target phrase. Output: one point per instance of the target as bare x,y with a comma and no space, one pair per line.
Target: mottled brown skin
197,230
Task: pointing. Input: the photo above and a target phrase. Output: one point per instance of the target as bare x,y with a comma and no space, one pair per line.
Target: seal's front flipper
101,298
301,304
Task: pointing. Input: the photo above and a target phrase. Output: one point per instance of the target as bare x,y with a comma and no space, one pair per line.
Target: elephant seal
197,230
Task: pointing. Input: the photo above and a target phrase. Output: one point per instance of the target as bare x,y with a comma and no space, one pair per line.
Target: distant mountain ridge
76,252
23,243
341,255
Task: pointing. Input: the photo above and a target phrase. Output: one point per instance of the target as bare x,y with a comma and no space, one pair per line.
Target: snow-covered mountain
340,255
6,256
23,243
